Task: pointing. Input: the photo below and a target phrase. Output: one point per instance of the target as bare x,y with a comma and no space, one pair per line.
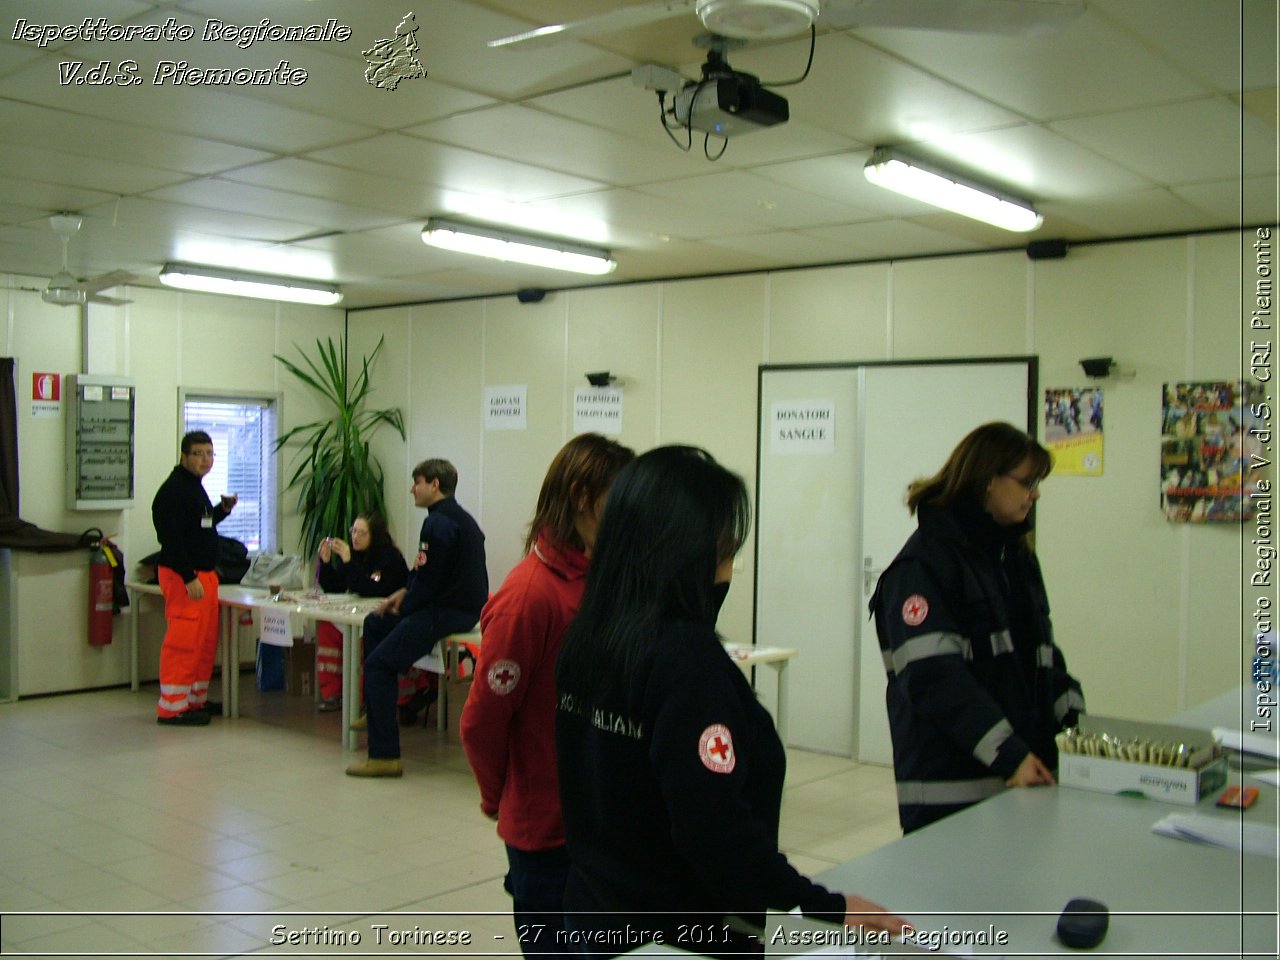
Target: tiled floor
121,837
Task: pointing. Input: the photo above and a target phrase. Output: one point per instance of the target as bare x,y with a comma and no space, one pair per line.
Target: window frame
276,401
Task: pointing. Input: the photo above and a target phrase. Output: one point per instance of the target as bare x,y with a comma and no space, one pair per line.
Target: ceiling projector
728,105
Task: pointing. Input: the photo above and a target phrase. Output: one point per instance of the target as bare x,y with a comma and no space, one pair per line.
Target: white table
346,612
775,658
1015,860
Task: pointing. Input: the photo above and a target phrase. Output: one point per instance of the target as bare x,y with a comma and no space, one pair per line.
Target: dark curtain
14,531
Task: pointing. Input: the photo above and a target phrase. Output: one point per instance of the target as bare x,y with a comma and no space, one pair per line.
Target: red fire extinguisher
102,561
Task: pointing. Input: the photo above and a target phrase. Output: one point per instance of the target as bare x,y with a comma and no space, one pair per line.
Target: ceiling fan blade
112,301
105,281
612,21
1010,17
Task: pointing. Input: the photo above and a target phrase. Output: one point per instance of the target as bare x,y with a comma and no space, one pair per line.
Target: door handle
870,575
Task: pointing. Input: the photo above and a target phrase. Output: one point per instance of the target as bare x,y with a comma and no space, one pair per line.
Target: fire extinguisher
102,562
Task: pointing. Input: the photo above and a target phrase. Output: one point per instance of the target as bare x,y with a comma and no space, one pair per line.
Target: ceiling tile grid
1137,117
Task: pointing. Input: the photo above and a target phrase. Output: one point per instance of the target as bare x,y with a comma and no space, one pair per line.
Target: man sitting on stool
447,587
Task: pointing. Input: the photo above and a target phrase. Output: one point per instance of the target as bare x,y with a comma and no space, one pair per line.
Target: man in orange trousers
186,524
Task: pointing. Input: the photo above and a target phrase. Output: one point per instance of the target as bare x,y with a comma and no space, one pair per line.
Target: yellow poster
1073,430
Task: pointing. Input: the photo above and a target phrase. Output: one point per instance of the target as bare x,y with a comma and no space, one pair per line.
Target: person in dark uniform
671,772
447,588
977,687
371,565
186,524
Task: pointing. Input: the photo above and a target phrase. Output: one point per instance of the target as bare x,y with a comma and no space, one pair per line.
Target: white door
913,417
829,520
806,542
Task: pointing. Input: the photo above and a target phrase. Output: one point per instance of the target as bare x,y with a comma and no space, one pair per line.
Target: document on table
1264,745
1222,832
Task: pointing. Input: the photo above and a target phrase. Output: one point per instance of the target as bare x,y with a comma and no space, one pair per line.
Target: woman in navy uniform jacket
671,772
977,688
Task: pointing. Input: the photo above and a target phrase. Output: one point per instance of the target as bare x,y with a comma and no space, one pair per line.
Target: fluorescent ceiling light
903,174
516,247
237,283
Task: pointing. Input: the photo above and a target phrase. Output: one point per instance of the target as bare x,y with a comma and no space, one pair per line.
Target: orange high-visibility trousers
328,660
190,643
329,668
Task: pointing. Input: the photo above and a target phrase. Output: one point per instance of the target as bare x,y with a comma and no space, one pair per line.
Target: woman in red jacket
508,725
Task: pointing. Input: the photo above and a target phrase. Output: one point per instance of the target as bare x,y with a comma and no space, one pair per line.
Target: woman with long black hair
671,772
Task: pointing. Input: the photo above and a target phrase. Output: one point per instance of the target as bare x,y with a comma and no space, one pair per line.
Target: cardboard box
300,668
1182,785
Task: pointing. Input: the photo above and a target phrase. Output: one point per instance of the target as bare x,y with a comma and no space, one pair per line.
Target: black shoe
213,708
421,700
188,718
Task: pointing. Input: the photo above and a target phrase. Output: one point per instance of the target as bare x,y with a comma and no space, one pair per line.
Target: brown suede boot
377,767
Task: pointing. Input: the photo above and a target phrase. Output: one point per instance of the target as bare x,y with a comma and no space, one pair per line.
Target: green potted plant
337,476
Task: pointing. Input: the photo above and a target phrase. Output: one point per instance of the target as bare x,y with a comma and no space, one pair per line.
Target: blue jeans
391,644
536,881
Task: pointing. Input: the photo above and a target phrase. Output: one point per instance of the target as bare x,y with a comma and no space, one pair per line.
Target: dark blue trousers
535,880
391,644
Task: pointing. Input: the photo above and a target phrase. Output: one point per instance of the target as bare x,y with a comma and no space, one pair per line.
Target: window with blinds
244,430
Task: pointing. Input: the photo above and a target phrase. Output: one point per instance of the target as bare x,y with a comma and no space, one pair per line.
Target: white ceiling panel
1204,37
107,176
422,161
319,214
888,239
1074,71
1179,142
554,142
207,112
79,135
1152,211
313,179
1033,162
1250,201
759,200
630,218
874,97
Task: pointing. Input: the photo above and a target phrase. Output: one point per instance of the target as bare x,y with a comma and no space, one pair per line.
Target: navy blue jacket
975,679
450,569
671,793
376,572
178,513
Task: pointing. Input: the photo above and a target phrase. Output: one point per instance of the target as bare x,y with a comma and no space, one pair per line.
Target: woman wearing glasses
977,687
371,565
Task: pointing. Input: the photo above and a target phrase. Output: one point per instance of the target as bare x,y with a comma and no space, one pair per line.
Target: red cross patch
715,749
914,610
503,677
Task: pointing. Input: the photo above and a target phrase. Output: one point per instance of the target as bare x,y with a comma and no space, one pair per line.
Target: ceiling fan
776,19
64,290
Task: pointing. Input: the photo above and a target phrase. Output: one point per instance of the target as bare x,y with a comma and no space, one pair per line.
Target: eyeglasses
1024,483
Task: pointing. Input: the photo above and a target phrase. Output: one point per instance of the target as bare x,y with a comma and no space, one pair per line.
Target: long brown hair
987,452
583,469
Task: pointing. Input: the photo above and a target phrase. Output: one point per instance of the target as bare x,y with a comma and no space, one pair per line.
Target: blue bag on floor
270,666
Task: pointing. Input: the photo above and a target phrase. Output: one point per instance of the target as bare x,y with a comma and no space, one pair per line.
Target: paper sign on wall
803,426
597,409
276,629
504,407
46,395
